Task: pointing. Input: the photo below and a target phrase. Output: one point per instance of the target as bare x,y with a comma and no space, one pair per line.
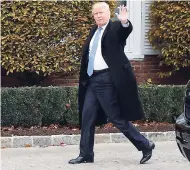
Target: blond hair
101,4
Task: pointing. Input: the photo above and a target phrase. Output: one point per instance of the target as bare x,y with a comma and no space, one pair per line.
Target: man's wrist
125,22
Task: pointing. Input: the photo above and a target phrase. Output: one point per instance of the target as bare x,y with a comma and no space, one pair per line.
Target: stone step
58,140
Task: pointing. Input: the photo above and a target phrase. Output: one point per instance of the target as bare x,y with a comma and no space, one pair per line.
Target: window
124,2
133,47
146,47
137,44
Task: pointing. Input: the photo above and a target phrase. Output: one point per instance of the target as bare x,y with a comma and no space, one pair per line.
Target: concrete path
113,156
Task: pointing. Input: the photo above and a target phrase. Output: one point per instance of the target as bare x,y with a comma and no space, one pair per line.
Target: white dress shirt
99,63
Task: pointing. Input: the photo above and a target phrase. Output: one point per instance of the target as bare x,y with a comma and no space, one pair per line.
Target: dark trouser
102,93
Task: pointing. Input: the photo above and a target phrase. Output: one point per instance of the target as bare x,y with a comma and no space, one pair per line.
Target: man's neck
103,26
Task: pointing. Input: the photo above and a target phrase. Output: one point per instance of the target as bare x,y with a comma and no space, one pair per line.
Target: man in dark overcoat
107,84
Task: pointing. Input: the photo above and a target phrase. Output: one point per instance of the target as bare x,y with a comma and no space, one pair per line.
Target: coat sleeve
124,32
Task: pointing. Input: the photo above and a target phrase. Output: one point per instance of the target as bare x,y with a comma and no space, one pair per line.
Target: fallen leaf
3,147
74,129
136,125
108,125
27,145
62,144
68,105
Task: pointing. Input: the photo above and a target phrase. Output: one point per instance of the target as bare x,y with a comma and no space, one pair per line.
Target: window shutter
147,49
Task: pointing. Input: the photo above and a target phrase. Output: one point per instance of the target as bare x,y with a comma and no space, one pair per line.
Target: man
107,85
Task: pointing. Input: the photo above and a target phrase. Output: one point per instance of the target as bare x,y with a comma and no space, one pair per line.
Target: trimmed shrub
52,104
170,33
45,36
162,103
30,106
20,107
71,115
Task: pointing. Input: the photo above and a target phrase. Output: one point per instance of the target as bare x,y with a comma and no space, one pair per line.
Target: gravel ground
121,156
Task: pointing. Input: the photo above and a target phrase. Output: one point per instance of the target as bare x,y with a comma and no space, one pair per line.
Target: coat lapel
105,32
86,47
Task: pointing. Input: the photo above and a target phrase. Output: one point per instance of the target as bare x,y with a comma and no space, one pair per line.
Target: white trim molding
137,45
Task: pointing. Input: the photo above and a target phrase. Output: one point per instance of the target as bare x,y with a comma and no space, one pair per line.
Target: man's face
101,15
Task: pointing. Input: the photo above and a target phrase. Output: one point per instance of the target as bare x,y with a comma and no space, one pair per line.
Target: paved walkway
113,156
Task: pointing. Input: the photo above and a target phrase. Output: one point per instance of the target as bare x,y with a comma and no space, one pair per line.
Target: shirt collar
103,27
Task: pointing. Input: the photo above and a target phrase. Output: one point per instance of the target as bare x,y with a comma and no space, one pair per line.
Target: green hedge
45,36
169,33
30,106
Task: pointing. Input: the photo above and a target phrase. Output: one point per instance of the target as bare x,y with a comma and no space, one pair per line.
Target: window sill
137,57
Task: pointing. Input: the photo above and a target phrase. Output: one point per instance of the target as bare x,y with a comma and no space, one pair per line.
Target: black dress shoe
81,159
147,153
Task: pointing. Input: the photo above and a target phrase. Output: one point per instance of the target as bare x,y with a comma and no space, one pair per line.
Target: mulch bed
69,130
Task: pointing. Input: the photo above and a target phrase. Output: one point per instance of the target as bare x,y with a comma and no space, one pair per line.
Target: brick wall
147,68
144,69
59,80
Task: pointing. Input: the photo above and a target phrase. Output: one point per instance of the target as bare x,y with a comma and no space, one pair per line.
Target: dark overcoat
112,45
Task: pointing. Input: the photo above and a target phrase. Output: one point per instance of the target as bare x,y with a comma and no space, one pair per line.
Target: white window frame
135,47
145,27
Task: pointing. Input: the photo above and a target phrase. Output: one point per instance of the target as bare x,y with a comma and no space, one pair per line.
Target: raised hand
122,16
